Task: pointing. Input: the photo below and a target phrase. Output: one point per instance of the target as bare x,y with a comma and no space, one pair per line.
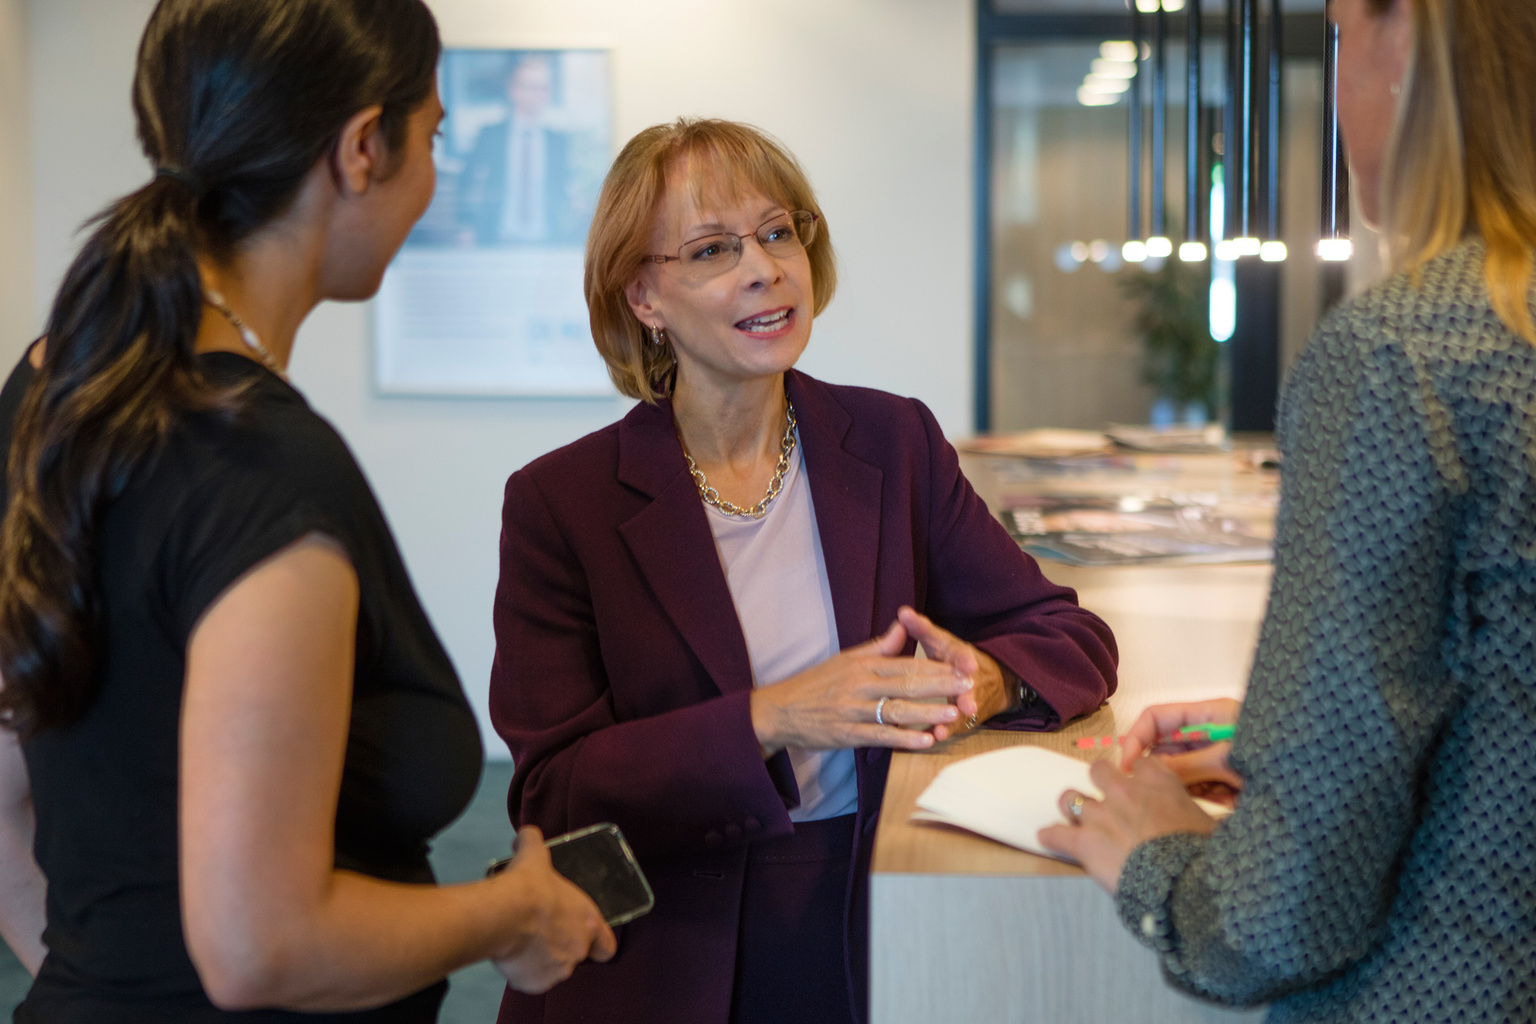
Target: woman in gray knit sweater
1381,862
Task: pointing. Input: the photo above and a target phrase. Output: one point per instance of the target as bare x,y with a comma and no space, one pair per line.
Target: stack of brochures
1047,443
1209,438
1094,530
1058,443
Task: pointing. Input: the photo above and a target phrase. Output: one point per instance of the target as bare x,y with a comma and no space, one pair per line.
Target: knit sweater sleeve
1348,690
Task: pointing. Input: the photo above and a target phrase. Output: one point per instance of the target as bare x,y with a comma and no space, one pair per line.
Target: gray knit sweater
1381,865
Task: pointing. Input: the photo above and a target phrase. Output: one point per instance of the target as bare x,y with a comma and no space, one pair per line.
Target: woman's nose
757,266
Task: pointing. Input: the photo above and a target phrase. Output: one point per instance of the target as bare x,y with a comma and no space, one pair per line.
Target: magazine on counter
1208,438
1094,530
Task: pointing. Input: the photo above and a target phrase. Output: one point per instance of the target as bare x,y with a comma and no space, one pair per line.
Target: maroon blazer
622,684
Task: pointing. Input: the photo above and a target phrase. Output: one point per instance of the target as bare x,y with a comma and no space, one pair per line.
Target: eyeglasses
786,235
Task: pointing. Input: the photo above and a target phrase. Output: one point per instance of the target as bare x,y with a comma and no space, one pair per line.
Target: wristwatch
1020,694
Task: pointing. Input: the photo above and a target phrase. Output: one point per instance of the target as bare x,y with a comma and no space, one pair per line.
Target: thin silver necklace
712,497
252,342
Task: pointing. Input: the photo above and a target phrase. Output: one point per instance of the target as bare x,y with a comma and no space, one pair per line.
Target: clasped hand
917,701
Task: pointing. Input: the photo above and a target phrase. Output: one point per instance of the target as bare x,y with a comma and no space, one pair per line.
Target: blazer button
713,839
733,831
751,824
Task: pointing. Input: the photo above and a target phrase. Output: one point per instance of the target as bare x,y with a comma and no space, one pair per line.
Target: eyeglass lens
783,236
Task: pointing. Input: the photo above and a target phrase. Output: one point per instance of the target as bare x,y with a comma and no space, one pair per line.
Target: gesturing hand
559,926
1147,803
834,705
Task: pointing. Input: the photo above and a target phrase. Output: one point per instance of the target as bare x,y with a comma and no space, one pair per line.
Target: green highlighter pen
1189,734
1207,731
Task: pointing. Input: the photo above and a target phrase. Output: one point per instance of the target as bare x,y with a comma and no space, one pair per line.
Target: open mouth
767,323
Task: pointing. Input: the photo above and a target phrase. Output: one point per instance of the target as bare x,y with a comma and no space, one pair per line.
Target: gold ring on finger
1075,807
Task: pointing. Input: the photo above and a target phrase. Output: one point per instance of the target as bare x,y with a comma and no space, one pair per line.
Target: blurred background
973,160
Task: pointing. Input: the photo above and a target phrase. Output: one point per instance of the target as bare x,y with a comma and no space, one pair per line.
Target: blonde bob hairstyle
721,162
1462,157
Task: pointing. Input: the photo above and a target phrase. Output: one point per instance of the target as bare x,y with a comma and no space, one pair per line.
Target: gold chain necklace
247,335
712,496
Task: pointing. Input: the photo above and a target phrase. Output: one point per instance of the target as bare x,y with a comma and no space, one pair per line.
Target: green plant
1173,317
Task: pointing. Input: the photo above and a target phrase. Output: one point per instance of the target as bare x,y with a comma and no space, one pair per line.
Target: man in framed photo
517,187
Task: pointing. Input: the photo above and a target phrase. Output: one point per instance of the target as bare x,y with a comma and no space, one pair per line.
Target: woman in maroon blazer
707,611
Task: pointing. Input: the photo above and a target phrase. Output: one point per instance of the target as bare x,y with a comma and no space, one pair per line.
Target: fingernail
951,713
966,683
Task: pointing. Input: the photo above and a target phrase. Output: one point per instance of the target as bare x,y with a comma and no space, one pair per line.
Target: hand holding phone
600,863
554,925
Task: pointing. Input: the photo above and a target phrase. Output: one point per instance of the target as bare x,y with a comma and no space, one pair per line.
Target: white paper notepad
1010,795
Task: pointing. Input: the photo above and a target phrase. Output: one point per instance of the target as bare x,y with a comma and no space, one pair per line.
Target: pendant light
1229,144
1335,245
1159,246
1193,250
1135,249
1273,250
1245,242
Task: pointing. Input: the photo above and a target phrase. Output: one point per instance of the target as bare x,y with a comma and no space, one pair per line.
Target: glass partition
1065,347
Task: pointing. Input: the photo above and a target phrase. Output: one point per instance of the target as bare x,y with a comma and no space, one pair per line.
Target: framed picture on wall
485,297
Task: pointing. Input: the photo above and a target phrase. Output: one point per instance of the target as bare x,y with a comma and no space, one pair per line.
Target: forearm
1163,901
23,890
986,591
1068,666
1064,653
359,943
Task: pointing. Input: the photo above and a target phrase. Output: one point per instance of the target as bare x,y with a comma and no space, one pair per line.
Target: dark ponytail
236,103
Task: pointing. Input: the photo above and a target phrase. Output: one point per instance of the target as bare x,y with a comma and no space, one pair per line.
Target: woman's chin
775,356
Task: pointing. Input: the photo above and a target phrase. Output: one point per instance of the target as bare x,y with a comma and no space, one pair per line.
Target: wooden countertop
1184,633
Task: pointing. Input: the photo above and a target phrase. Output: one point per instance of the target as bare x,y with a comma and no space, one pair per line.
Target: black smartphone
600,863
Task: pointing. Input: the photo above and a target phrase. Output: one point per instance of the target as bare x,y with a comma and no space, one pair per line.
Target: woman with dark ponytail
228,728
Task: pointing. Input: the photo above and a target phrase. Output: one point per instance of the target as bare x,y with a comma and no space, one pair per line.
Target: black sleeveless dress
220,497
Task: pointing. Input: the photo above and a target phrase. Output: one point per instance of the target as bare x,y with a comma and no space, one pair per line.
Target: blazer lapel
671,542
846,493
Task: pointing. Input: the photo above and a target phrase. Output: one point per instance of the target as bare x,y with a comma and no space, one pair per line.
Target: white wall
84,153
16,313
873,96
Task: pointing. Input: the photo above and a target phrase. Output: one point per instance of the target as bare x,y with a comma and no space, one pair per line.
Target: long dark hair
236,103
